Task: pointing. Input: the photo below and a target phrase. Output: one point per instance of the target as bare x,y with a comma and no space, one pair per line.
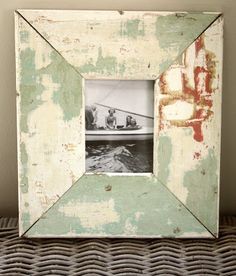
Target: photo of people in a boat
119,126
110,120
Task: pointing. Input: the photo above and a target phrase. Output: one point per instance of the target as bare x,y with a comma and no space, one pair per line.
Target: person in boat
131,122
90,117
110,120
128,120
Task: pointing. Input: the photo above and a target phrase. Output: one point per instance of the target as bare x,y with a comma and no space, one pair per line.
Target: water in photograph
126,157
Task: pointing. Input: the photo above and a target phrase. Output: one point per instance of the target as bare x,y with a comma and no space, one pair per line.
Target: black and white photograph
119,117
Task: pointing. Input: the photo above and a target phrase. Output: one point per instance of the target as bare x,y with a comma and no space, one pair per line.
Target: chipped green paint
132,28
172,31
24,36
44,78
123,215
104,64
31,87
23,174
202,185
88,67
69,93
107,63
164,158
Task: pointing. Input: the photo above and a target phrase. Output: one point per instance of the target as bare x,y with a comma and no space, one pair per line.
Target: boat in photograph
120,134
133,98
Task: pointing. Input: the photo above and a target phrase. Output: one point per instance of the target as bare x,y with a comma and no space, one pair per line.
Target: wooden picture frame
55,52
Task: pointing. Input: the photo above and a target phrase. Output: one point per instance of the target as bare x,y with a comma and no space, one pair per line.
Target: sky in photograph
131,96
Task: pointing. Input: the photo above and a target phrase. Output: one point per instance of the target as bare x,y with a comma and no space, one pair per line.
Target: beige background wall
8,167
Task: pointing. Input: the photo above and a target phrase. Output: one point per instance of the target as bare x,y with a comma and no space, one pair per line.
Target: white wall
8,168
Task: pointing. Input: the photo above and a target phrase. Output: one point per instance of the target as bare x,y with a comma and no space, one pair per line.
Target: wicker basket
19,256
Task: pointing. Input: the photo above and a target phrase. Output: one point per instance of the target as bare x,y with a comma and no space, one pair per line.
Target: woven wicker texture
19,256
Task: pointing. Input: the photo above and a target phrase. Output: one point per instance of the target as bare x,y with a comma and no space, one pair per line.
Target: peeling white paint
45,149
78,41
130,229
138,215
92,214
174,80
180,110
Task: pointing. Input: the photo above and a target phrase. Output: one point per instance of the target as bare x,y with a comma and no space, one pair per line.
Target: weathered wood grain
127,45
189,126
50,108
183,53
133,206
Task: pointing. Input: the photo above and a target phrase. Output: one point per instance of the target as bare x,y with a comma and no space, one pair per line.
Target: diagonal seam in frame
184,205
45,212
48,42
72,187
189,45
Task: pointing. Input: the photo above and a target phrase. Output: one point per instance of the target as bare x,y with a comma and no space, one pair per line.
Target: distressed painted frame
56,51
